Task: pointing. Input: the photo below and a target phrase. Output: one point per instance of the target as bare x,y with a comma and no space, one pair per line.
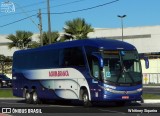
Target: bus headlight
109,90
106,89
139,90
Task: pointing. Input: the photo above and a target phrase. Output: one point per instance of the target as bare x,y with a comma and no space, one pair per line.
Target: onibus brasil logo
7,7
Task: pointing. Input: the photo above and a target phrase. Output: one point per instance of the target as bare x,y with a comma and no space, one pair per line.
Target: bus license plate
125,97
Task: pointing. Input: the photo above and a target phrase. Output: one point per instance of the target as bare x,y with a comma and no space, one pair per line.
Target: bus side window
95,67
73,57
61,57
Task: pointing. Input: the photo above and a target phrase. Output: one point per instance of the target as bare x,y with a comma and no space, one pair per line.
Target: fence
151,78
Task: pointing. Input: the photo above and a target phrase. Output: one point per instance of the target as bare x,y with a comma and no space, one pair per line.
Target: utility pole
40,26
49,22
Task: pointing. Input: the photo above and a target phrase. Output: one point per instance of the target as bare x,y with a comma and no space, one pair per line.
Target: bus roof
107,44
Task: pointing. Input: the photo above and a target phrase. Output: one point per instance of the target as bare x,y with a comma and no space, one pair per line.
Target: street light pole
123,16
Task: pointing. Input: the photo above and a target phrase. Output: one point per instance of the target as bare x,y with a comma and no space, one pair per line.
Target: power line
68,12
35,10
64,12
29,5
68,3
18,20
27,15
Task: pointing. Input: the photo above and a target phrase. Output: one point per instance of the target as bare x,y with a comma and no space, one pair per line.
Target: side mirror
100,59
142,56
146,62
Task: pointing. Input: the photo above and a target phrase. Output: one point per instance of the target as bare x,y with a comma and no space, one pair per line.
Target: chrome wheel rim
85,98
27,96
35,96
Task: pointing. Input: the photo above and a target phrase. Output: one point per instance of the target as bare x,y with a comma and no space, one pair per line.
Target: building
144,38
4,46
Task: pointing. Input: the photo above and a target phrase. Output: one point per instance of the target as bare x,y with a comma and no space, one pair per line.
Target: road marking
62,106
40,105
12,98
11,103
111,111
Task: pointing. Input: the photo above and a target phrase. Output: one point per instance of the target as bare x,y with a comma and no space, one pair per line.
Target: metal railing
151,78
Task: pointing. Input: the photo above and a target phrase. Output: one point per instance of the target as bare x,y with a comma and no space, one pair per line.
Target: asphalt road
17,107
155,91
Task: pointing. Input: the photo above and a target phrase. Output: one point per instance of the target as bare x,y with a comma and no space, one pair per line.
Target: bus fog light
3,81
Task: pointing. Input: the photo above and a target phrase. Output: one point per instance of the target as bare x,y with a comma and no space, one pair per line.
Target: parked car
5,81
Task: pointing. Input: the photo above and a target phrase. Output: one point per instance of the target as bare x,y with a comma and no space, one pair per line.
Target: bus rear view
89,70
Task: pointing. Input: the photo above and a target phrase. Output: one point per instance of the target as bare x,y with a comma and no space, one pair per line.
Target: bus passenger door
95,68
96,73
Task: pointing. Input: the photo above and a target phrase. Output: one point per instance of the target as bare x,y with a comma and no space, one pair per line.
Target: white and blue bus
89,70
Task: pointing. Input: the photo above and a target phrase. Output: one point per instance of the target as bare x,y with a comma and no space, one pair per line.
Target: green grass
6,93
151,96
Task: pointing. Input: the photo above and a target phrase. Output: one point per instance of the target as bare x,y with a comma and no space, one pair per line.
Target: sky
139,13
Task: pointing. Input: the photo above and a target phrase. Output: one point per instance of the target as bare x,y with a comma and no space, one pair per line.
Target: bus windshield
121,67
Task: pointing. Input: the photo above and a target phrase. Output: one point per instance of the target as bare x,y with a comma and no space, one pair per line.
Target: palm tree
34,44
77,29
21,40
45,37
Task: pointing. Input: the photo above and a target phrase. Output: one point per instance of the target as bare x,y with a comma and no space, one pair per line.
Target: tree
21,40
34,44
77,29
5,64
45,37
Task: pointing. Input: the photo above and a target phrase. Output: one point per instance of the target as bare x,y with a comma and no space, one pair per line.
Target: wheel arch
82,89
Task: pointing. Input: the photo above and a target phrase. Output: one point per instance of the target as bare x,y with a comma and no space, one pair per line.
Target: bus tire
85,98
24,92
35,98
28,97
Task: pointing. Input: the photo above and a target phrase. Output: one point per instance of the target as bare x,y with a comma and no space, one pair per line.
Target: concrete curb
151,86
152,101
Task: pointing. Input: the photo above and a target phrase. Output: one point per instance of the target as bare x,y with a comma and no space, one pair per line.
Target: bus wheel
28,97
24,92
35,97
85,99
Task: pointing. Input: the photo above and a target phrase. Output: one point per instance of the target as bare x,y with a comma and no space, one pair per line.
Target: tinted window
46,59
73,57
37,60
